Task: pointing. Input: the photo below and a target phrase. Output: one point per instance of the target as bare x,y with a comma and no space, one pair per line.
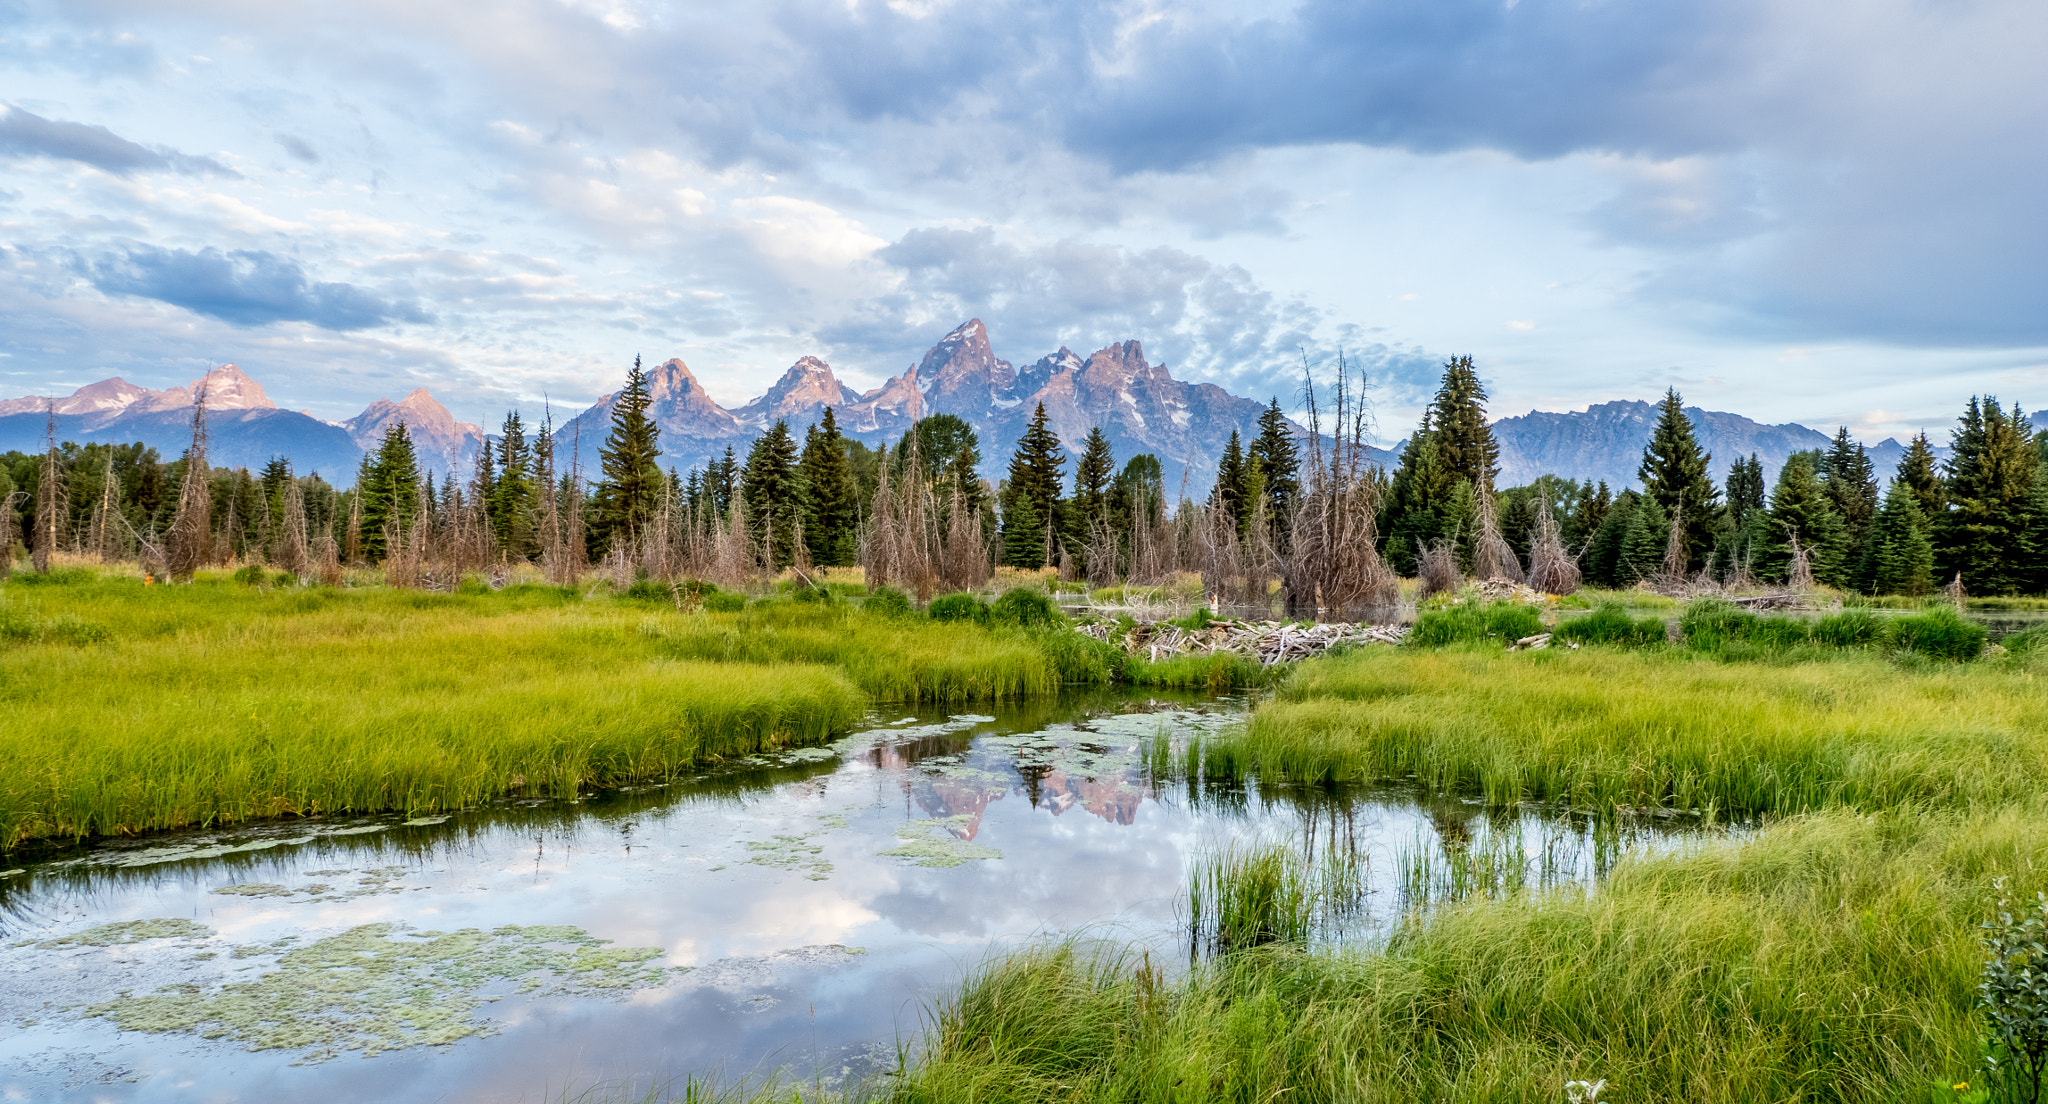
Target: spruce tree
1921,474
1986,534
1674,475
512,509
830,509
388,486
1035,471
1023,531
630,486
1588,511
1745,489
1280,463
1899,556
1418,501
1604,562
1851,483
1800,508
772,489
1228,496
1465,442
722,481
1644,543
1093,471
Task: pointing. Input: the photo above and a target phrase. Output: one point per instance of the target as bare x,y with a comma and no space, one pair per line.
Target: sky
1822,211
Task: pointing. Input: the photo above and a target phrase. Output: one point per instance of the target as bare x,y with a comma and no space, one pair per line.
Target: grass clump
1611,624
1025,607
1940,633
1474,623
958,607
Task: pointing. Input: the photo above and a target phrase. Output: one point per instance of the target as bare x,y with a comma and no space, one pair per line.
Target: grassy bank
1597,728
126,708
1831,959
1832,955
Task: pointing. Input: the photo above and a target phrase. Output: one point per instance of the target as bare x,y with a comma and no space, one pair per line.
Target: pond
798,912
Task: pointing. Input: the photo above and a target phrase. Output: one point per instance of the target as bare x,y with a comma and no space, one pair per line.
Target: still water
799,912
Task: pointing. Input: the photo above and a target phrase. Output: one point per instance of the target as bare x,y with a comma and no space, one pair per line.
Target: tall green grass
1598,728
126,708
1832,958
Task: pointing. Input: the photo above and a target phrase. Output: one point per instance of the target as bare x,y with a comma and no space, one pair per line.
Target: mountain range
1140,406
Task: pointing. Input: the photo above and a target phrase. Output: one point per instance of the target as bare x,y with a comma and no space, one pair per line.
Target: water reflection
798,910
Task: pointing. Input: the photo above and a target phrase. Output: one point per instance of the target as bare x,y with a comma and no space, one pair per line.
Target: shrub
285,579
958,607
649,590
252,575
725,601
1611,624
815,595
1026,607
1472,622
1855,628
887,602
1940,633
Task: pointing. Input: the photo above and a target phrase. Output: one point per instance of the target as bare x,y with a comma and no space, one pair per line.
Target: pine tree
773,491
1851,483
1986,533
1093,472
1899,556
722,481
830,509
1921,474
511,502
1603,561
1745,489
1273,450
1674,475
1464,441
1418,501
388,489
1589,510
1228,496
1800,508
629,490
1644,543
1035,474
1023,531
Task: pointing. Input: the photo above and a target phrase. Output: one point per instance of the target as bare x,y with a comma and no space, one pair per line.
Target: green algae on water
932,843
128,931
791,853
383,987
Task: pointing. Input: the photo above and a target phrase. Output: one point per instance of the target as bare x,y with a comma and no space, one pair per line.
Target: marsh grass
1241,897
1597,728
127,708
1831,958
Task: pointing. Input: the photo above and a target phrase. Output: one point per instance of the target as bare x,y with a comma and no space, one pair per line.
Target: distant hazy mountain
1606,441
244,427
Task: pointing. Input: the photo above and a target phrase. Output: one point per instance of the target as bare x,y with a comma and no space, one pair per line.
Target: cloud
245,288
298,147
25,134
1210,321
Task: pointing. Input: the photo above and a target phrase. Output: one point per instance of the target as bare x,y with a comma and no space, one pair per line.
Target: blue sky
1826,211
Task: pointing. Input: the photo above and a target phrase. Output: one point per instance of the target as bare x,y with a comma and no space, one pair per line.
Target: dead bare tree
1438,569
1671,574
1552,569
963,562
1334,563
190,543
106,537
7,504
1799,575
1492,556
293,553
49,493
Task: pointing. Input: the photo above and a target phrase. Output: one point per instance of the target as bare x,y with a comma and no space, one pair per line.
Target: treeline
1981,515
1312,513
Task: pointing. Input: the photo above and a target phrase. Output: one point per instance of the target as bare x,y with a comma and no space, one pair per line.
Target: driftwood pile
1269,642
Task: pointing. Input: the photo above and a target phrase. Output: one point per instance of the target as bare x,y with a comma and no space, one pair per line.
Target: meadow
128,708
